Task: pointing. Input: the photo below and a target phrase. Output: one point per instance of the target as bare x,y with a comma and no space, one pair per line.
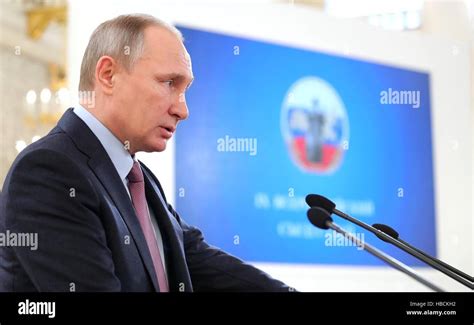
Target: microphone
394,234
320,218
314,200
387,229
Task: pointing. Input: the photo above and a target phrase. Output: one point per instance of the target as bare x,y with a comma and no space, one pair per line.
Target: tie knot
135,174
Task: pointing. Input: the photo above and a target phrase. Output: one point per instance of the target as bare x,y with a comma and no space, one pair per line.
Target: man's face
149,100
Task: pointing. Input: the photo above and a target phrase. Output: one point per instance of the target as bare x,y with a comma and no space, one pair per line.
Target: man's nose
180,108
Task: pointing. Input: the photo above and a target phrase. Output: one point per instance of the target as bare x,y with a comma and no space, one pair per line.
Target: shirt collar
120,157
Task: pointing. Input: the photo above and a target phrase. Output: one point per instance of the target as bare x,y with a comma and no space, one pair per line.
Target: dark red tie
136,185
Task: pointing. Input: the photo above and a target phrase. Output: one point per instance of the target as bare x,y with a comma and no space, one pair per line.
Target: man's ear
105,69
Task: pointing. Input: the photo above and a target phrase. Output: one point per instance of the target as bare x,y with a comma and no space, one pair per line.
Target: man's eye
169,82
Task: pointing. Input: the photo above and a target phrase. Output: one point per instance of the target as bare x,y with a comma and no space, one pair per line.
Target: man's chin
157,146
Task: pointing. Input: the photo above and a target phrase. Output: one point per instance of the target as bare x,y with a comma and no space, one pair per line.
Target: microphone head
319,217
386,229
315,200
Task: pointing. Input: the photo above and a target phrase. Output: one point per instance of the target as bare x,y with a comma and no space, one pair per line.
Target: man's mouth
167,131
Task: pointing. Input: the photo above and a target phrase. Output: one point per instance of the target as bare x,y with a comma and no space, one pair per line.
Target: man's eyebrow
172,75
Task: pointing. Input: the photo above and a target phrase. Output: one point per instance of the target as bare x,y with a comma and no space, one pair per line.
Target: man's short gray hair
121,38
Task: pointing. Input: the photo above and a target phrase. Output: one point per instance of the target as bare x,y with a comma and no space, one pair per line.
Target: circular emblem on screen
314,125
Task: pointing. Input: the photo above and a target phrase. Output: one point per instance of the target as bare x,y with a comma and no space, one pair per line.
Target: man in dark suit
101,217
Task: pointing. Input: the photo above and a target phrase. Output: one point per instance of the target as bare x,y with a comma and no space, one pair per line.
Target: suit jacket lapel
178,274
116,190
105,171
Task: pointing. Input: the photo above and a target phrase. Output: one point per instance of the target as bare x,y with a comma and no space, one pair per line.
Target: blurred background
368,102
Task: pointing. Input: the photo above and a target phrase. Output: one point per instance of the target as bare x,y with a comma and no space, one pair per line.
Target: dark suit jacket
65,188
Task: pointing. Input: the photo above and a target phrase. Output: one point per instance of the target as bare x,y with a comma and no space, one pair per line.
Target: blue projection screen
269,124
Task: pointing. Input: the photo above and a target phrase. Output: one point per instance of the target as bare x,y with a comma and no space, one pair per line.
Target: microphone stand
405,248
374,251
392,233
